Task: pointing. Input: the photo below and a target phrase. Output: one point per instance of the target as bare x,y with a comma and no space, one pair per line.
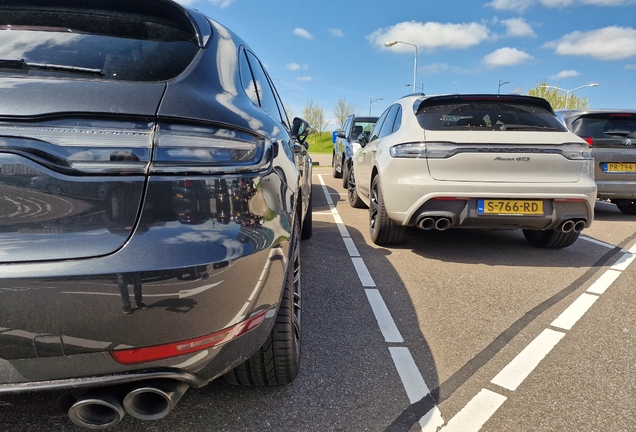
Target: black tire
335,172
308,222
345,174
383,230
277,362
352,192
550,239
627,207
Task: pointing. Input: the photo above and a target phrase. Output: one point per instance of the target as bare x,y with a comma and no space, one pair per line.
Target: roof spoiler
428,101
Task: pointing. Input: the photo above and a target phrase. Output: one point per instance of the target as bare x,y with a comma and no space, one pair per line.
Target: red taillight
160,352
621,115
589,140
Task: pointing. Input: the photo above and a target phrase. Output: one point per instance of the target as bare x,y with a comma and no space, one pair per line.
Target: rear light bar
195,149
175,349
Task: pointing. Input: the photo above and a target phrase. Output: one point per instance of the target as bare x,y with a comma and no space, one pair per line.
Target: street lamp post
567,92
371,103
390,44
500,84
420,86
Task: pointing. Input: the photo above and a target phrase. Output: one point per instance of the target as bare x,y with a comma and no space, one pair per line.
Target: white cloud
506,57
434,68
609,43
304,78
565,74
515,5
518,27
430,35
564,3
303,33
296,66
336,32
630,66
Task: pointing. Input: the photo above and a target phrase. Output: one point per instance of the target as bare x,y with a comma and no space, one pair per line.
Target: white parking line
604,282
476,412
521,366
574,312
412,379
383,317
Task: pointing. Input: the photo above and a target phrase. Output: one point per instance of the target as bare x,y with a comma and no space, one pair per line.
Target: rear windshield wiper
503,127
21,64
617,132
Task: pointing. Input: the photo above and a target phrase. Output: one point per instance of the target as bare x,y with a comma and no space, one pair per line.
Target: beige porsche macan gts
474,161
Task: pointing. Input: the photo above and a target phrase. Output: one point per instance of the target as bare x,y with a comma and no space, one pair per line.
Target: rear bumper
616,189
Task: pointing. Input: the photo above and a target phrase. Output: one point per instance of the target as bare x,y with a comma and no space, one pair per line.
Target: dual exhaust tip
151,401
438,223
572,225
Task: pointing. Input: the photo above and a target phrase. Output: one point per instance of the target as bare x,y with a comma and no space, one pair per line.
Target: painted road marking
411,378
574,312
476,412
604,282
521,366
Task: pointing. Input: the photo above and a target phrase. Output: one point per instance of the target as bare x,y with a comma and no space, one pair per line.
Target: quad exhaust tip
438,223
105,409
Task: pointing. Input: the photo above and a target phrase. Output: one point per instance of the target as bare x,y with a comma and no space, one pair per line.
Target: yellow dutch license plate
510,207
620,167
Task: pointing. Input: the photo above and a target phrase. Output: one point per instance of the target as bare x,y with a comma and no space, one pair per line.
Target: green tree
559,99
315,116
343,110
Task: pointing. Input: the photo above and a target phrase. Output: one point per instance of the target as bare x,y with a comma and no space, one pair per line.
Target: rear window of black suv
104,45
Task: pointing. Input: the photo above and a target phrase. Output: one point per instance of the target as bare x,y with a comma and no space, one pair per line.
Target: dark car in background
611,135
147,166
347,143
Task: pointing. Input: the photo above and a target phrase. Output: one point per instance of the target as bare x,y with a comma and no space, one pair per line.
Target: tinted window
487,115
398,119
378,126
606,126
266,97
360,127
102,47
247,80
387,127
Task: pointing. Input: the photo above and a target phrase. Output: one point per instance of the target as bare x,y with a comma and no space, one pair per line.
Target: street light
567,92
502,83
371,103
421,86
390,44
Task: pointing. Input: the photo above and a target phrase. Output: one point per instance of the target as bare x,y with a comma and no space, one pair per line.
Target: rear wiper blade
617,132
503,127
21,64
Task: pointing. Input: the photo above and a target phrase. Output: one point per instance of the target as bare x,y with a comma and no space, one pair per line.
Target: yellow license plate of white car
620,167
510,207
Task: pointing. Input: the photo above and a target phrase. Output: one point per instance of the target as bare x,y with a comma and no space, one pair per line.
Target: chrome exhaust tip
442,224
426,223
567,226
100,411
579,226
155,400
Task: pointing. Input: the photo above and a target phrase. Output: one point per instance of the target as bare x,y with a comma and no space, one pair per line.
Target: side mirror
363,138
300,129
341,134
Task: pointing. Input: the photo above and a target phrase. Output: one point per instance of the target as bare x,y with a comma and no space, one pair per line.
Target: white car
474,161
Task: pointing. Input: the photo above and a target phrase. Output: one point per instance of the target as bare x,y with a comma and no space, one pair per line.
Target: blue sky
328,50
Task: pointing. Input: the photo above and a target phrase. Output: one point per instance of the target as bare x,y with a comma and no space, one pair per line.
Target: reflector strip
160,352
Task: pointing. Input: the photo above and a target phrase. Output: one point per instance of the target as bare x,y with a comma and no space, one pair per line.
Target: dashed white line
604,282
527,360
623,262
363,272
351,247
574,312
476,412
383,317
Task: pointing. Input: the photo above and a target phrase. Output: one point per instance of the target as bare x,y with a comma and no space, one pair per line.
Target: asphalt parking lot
461,330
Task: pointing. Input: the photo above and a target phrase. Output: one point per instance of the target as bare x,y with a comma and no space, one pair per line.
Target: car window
378,126
488,115
361,126
398,120
605,126
266,98
387,127
347,125
101,46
